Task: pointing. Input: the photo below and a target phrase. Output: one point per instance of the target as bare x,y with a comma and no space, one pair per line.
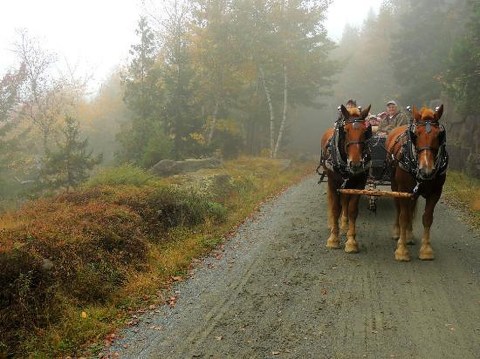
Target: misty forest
227,78
222,79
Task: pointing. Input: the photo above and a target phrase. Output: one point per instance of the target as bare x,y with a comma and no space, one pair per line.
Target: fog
145,81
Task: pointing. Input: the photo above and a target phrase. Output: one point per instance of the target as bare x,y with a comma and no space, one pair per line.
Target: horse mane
427,114
353,111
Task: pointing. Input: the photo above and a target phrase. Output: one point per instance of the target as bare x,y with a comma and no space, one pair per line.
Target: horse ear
416,115
345,112
439,112
365,112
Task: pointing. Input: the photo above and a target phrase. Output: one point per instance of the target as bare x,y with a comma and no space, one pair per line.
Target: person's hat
391,102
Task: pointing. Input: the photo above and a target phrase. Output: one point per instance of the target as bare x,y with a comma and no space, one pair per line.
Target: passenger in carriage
349,104
391,118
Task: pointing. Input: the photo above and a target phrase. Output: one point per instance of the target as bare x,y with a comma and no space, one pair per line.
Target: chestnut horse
345,159
419,163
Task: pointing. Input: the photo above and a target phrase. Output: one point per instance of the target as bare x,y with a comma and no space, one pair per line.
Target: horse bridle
410,161
428,127
368,134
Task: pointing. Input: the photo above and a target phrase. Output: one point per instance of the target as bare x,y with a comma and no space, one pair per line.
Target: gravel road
276,291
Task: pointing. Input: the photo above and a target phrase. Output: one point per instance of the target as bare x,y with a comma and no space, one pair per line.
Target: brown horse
419,164
345,160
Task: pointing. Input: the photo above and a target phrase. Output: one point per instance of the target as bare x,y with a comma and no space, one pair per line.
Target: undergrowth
74,267
463,192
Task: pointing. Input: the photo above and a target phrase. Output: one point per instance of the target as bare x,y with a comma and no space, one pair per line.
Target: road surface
276,291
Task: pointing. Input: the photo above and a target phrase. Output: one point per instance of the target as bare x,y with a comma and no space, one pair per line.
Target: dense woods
420,53
229,77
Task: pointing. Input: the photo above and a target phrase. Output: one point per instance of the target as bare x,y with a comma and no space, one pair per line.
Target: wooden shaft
375,192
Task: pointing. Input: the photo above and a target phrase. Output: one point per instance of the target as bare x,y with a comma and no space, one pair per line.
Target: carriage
412,159
379,174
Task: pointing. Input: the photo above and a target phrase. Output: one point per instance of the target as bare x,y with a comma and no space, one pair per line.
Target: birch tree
301,56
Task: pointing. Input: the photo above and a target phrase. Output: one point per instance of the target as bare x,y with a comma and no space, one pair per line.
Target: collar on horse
408,159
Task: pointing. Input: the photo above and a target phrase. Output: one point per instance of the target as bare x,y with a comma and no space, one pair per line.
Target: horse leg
344,220
401,253
351,246
396,225
426,251
410,239
335,209
329,210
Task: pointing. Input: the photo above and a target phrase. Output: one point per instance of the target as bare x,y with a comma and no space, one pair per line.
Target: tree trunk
213,124
284,119
270,110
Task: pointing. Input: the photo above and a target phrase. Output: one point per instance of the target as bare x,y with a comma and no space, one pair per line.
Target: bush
27,298
127,174
79,249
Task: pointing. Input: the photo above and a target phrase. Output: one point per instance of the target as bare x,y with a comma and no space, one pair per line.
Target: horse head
428,139
355,131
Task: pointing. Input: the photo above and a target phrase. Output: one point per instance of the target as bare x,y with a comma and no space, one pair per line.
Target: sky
94,36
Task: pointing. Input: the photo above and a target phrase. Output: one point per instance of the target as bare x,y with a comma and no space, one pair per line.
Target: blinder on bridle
428,128
355,121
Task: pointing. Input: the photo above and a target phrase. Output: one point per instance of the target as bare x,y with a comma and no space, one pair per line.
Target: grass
119,242
117,246
463,192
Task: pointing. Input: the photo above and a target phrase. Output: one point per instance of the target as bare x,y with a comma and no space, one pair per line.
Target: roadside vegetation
463,192
75,266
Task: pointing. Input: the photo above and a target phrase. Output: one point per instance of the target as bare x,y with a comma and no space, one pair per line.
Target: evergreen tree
462,78
69,165
10,138
420,48
182,110
145,99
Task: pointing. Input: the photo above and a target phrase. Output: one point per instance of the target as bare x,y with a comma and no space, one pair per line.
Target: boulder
166,168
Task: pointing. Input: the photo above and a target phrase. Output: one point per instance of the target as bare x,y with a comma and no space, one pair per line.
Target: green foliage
69,165
462,78
126,174
181,108
158,147
143,136
27,298
421,44
228,138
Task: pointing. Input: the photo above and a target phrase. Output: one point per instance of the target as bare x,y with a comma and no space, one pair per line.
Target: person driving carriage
349,104
388,120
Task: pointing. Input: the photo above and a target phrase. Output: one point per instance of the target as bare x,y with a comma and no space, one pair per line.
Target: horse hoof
426,254
333,243
351,247
402,255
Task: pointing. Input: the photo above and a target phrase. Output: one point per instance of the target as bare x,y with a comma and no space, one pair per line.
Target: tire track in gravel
278,292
